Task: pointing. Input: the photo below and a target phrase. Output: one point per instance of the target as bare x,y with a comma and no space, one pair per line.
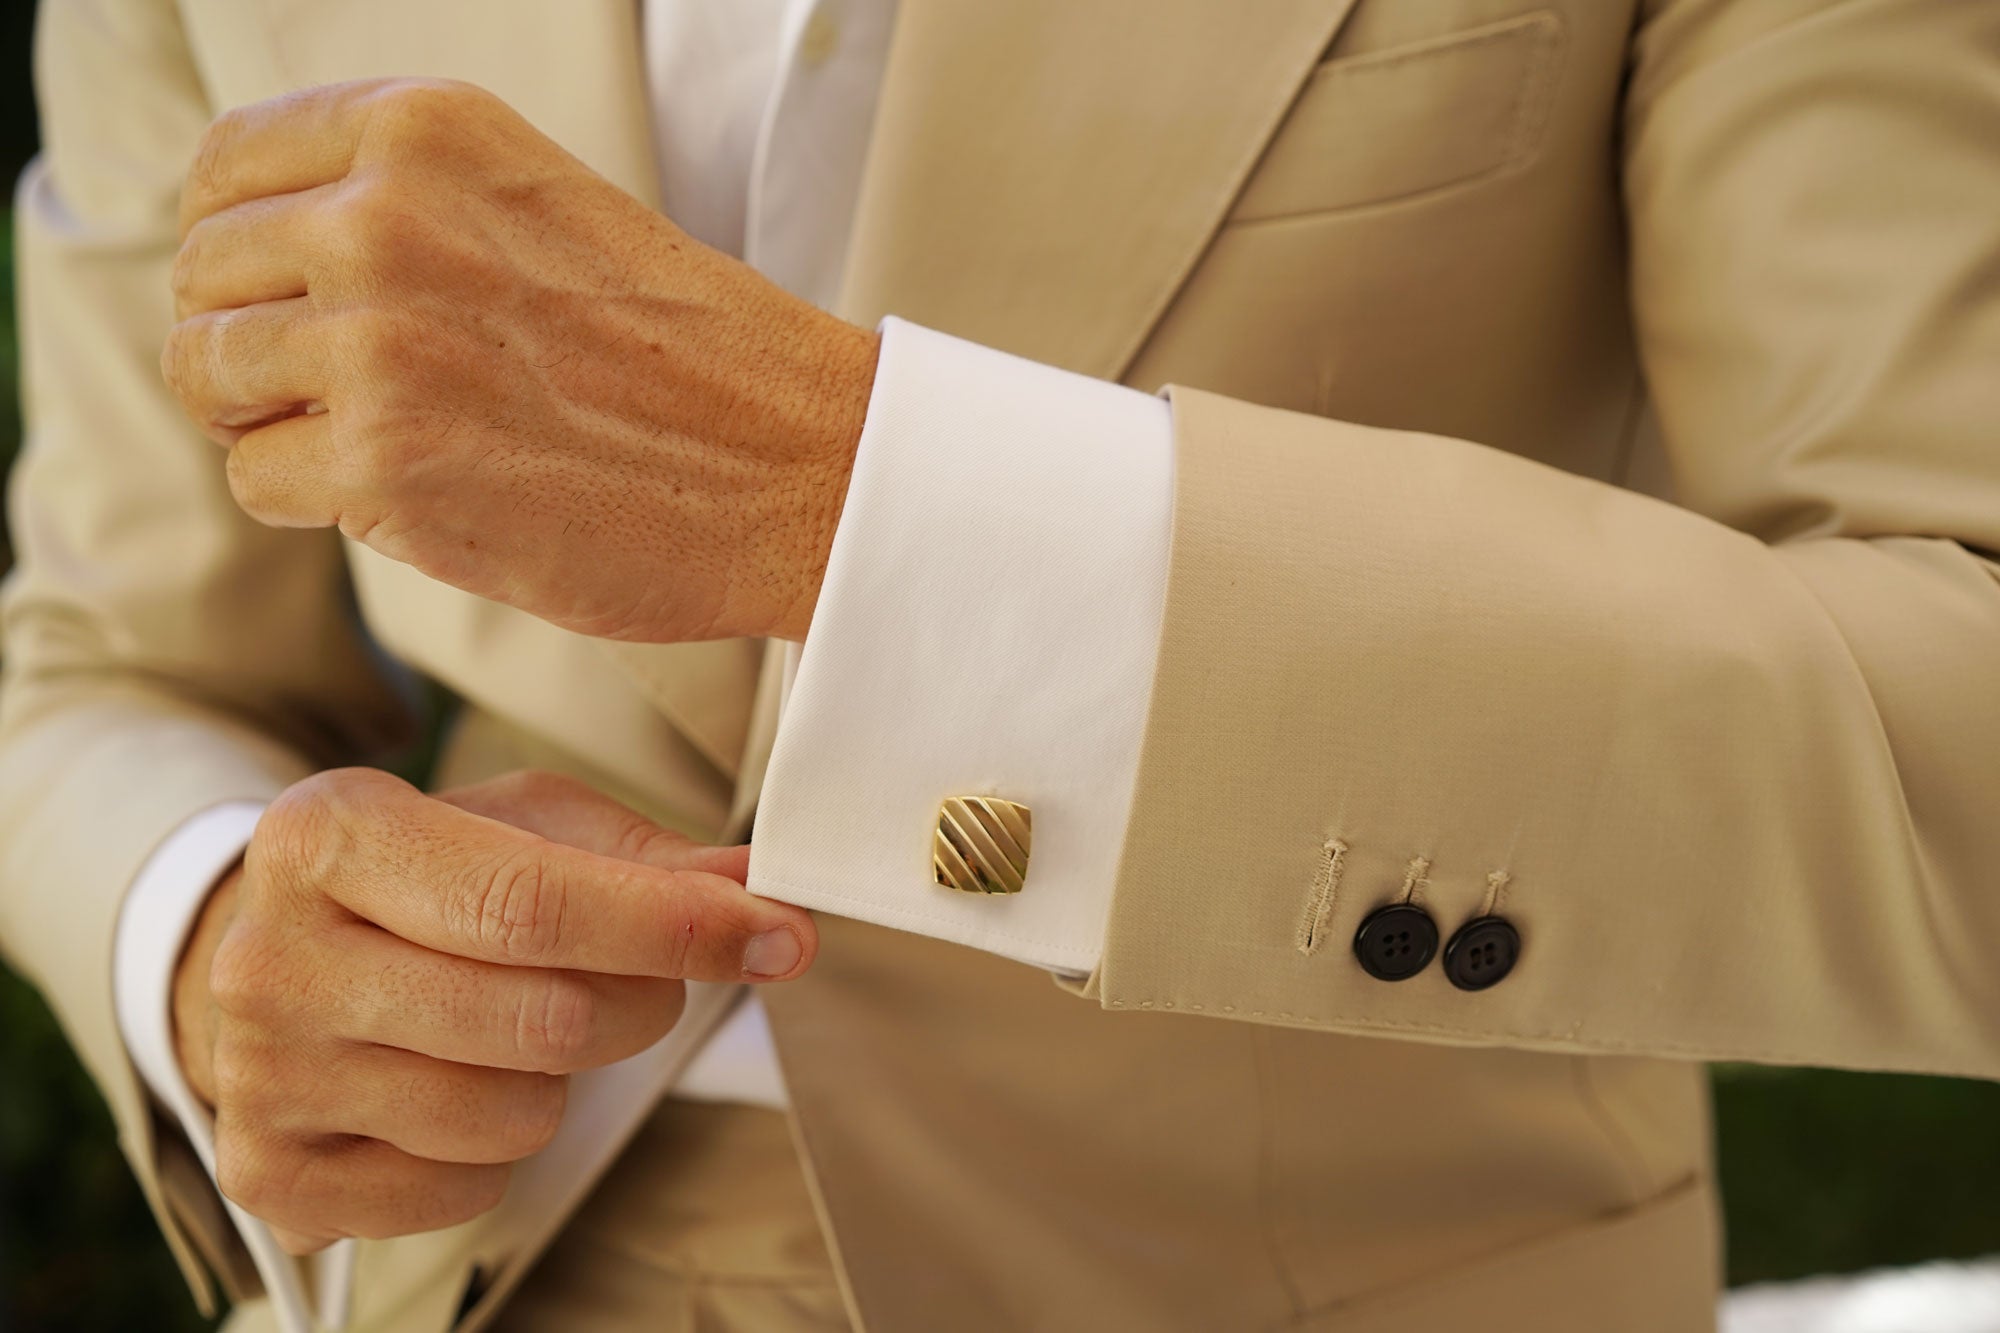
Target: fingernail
771,954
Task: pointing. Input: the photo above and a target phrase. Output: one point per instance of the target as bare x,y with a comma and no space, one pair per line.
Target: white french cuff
158,914
988,626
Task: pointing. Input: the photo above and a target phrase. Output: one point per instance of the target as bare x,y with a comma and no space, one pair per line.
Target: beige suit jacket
1452,286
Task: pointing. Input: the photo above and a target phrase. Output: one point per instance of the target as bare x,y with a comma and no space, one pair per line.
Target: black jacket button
1482,952
1396,942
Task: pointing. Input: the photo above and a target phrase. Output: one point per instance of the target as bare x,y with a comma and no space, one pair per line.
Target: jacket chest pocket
1410,120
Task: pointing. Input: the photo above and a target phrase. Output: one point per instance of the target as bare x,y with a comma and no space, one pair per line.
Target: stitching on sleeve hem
1319,902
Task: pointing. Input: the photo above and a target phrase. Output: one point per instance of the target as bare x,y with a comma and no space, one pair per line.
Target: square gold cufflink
982,844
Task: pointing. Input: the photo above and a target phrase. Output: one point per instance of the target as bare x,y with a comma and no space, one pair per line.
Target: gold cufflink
981,844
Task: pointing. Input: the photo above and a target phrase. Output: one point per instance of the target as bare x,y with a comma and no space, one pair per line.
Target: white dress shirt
1005,650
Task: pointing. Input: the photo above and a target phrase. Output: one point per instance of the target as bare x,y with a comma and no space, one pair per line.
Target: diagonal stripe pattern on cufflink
982,844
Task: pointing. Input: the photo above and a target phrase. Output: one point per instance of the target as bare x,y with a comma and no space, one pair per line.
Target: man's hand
382,1004
412,315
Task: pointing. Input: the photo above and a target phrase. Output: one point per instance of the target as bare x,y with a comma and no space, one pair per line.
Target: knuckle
302,802
252,1173
413,110
644,841
365,211
234,1072
251,1086
313,825
378,340
230,339
350,794
353,208
177,360
237,1173
247,979
291,838
170,354
536,786
246,484
407,105
393,237
188,261
557,1024
516,909
208,173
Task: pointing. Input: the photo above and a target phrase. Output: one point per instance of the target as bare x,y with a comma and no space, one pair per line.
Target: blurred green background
1823,1172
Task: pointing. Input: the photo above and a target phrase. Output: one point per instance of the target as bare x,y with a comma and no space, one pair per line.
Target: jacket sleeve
1731,768
163,653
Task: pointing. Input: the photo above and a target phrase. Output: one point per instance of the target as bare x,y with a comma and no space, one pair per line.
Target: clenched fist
412,315
382,1004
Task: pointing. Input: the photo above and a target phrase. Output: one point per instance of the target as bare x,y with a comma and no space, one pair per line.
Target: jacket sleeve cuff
987,626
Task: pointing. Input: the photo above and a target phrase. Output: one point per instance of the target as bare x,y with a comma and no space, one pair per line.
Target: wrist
848,358
193,1004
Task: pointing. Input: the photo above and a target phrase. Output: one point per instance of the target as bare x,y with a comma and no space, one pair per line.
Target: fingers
435,1109
287,472
392,993
373,1076
462,884
524,901
323,1190
563,809
233,369
314,136
253,252
290,143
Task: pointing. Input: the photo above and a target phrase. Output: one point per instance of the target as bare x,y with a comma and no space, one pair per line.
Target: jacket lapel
1045,173
576,70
